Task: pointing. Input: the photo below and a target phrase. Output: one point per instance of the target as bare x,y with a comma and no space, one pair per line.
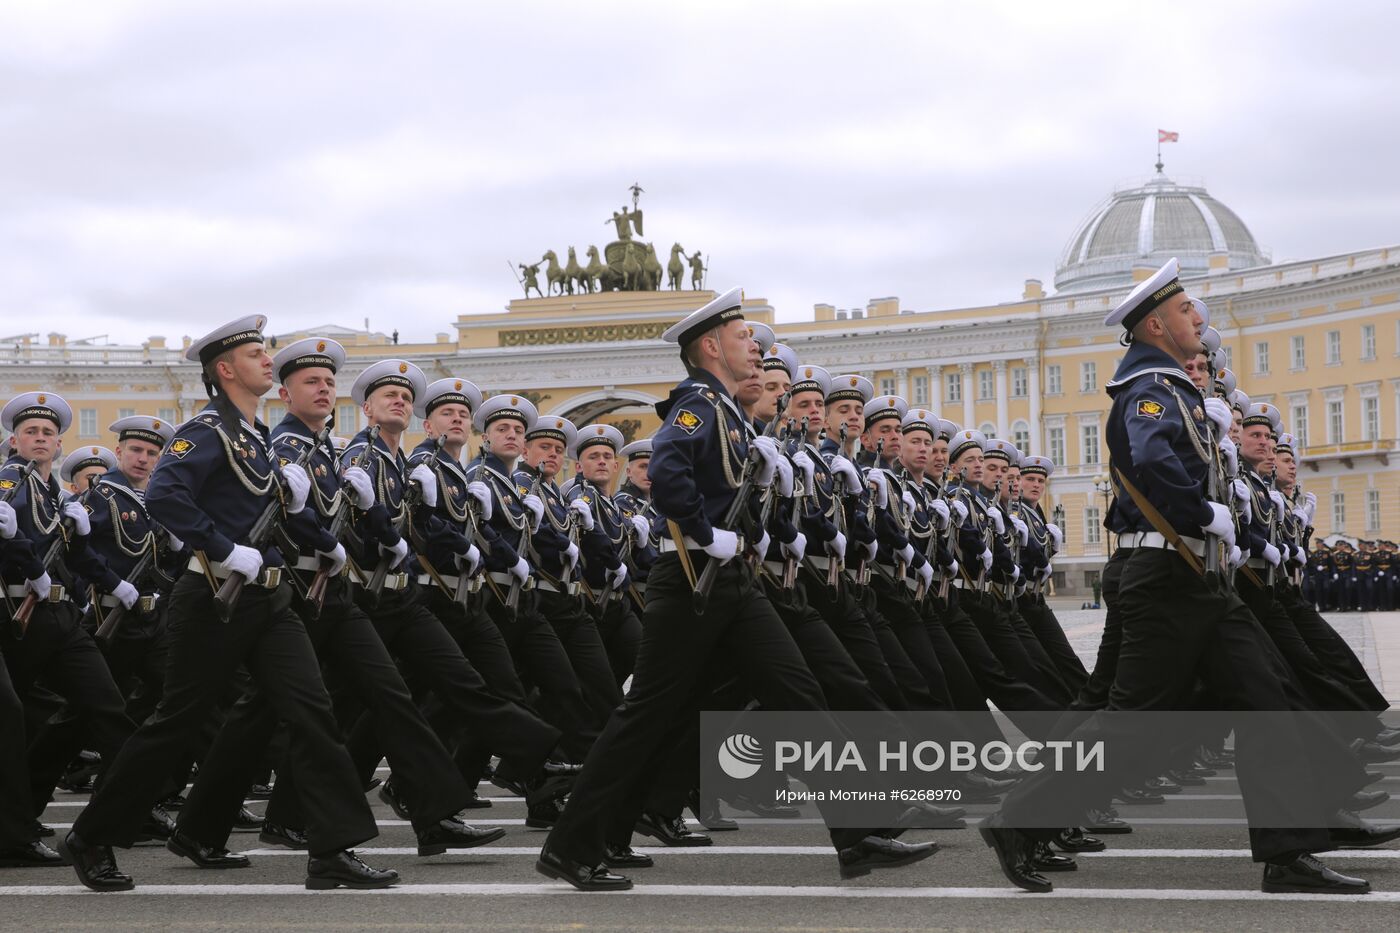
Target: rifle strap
678,536
1154,518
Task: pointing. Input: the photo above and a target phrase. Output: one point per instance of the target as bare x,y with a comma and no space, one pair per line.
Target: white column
901,383
1033,370
1003,428
969,419
935,389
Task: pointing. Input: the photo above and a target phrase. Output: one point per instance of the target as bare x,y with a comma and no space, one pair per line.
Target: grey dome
1149,224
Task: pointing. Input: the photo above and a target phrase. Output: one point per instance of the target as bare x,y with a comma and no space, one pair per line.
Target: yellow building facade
1319,338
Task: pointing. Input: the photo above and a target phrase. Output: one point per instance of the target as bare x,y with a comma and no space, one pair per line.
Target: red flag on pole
1167,136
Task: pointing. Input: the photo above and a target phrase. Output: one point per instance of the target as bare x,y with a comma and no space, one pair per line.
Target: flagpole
1159,152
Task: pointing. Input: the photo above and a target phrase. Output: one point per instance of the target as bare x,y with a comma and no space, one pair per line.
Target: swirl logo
740,756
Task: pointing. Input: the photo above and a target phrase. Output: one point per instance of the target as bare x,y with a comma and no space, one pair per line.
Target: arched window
988,429
1021,436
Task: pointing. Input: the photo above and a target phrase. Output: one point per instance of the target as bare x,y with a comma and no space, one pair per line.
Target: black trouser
266,635
17,812
843,685
56,648
621,630
1051,635
1094,693
1000,633
138,654
676,648
430,656
578,632
908,626
1329,647
912,686
347,644
1174,630
850,623
1010,693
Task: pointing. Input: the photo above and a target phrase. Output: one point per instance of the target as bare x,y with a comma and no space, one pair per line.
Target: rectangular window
168,415
1089,443
1334,422
1339,512
920,390
1368,341
87,422
1088,377
1370,418
1334,347
125,412
984,384
1373,510
1092,525
275,412
347,422
887,386
1229,356
1057,445
953,387
1300,353
1021,437
1261,357
1052,380
1020,385
1298,421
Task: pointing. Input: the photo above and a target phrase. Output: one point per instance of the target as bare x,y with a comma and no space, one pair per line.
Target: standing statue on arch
697,272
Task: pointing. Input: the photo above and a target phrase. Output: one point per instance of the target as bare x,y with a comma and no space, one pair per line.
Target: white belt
57,592
144,604
268,579
1155,539
307,562
775,567
450,583
820,561
960,583
1257,563
506,579
668,545
568,589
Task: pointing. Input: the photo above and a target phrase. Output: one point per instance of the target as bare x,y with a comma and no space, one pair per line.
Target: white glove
783,472
1220,524
126,593
906,554
1311,506
1045,573
426,479
952,570
1056,535
907,498
1244,499
618,577
39,586
940,510
804,462
1301,514
870,550
1236,557
1300,555
1272,555
768,457
482,494
925,574
399,551
881,484
571,556
836,547
361,487
998,520
1230,454
764,543
74,510
535,506
244,560
298,487
9,524
724,545
1219,412
986,558
1015,573
1021,530
643,528
585,513
959,512
468,563
797,548
840,466
521,571
175,543
336,556
1276,498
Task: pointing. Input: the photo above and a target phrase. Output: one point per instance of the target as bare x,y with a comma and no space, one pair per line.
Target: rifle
261,533
701,597
411,497
513,596
316,592
108,627
24,474
789,562
1271,575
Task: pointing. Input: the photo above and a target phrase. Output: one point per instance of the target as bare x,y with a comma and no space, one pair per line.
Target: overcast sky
167,166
